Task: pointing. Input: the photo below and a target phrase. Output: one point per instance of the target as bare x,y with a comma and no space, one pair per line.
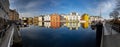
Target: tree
114,14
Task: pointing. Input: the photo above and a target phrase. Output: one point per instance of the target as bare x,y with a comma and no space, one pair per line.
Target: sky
31,8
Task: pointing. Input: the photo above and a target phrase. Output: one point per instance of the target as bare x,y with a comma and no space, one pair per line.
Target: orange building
55,21
55,18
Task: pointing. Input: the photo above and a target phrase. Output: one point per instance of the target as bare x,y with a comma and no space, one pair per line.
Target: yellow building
85,17
30,20
35,20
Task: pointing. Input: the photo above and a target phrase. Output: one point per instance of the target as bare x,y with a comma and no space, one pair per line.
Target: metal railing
7,38
109,27
101,45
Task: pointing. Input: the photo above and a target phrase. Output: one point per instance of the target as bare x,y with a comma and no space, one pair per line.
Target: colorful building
85,17
13,15
55,18
35,20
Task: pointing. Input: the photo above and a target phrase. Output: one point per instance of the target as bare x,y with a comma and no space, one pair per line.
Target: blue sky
31,8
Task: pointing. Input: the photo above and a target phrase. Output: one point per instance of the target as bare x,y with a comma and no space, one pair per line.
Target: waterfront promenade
11,35
111,38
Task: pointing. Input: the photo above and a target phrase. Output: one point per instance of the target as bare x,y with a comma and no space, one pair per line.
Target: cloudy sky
31,8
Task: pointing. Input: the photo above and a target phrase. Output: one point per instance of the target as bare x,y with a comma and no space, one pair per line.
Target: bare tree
114,14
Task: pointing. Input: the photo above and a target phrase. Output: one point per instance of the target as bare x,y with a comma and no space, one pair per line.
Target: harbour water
57,34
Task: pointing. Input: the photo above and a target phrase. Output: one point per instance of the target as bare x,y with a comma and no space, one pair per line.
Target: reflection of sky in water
35,36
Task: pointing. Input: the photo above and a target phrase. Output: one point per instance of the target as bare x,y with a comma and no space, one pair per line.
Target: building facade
35,20
72,17
40,18
85,17
55,18
95,18
24,20
13,15
4,9
47,18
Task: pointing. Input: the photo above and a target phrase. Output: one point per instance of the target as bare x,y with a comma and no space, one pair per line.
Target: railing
8,36
111,29
101,45
116,28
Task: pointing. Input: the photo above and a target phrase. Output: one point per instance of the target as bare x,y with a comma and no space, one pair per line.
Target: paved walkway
111,38
8,37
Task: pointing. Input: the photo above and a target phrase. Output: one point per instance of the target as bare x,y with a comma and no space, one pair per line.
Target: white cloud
29,14
106,7
34,4
55,3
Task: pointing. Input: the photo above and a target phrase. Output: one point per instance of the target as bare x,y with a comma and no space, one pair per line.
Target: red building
55,20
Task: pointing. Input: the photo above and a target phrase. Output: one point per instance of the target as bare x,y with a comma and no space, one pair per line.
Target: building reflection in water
36,23
69,25
30,23
40,24
55,25
72,25
85,25
47,24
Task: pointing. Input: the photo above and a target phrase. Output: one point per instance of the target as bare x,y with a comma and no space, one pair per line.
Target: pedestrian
99,30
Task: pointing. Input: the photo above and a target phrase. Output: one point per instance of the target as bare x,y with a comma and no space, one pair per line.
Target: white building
72,17
40,18
79,18
95,18
47,18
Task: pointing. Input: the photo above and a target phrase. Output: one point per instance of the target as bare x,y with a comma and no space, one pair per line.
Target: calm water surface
63,35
